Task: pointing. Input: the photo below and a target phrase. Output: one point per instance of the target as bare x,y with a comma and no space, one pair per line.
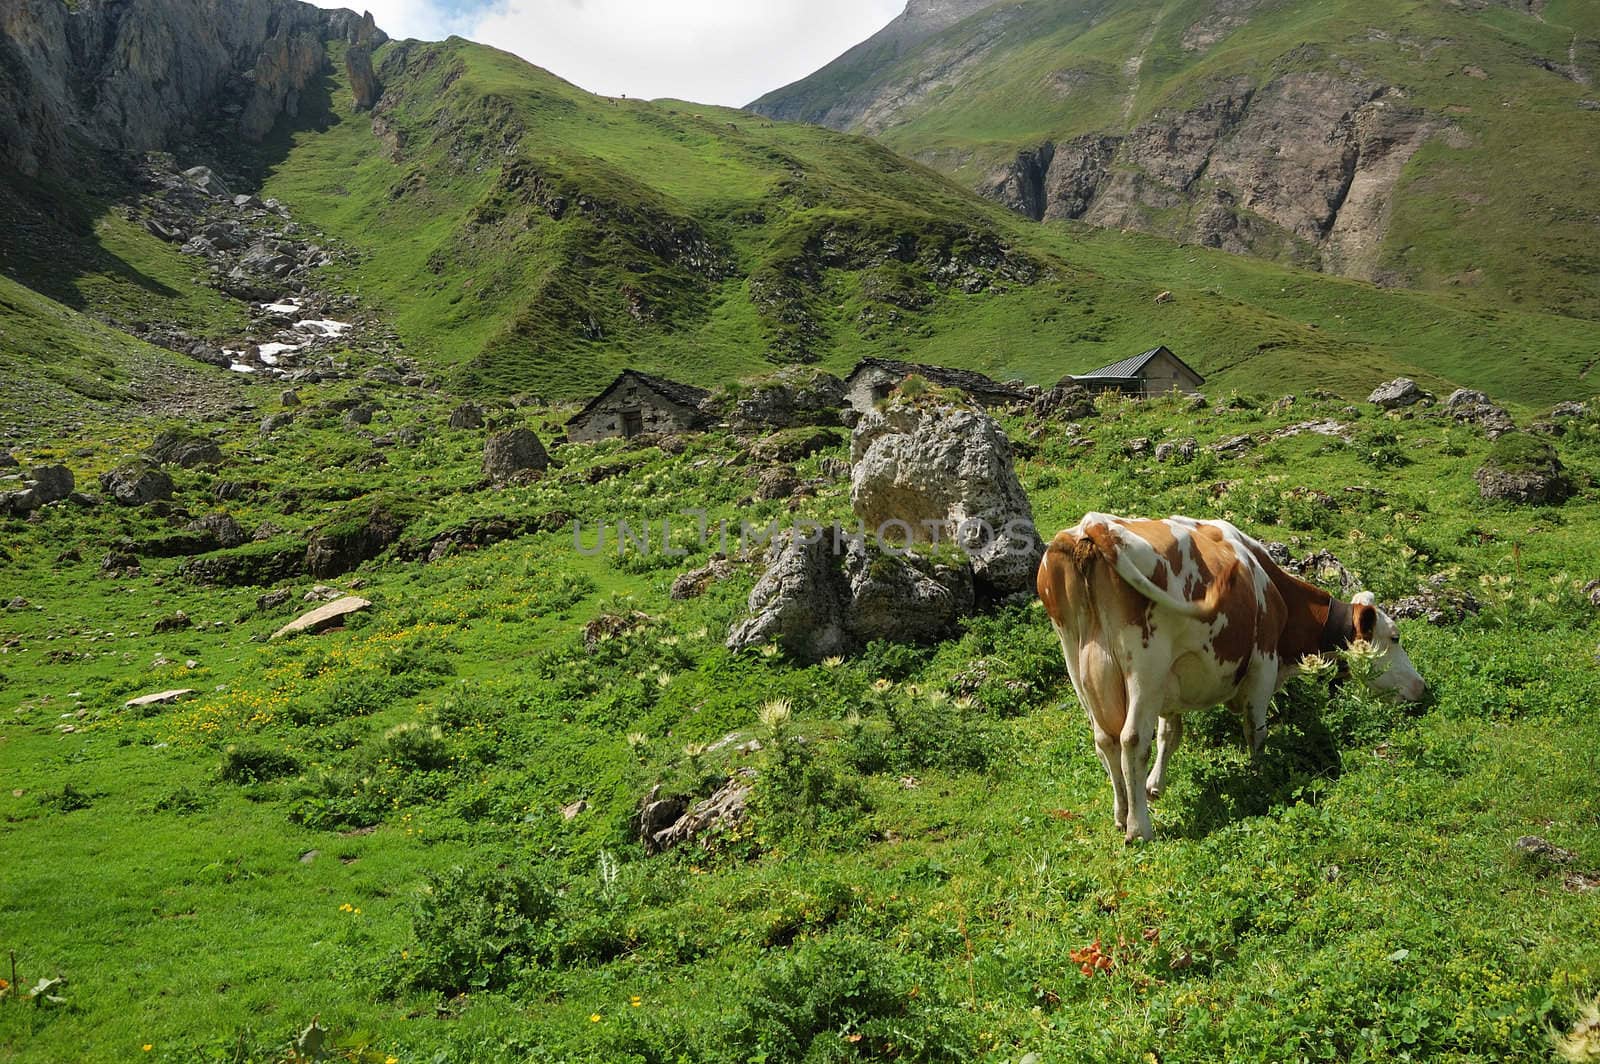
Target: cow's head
1392,668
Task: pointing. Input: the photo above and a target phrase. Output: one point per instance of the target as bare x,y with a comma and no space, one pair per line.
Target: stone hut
1155,372
635,404
874,378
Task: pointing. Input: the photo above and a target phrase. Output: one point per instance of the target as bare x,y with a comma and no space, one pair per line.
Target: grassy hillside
1502,206
523,236
367,826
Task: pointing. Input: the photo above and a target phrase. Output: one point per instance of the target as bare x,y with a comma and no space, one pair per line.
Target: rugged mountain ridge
1394,143
142,75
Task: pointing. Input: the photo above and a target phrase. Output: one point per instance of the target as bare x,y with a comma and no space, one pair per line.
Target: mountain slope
501,231
1424,143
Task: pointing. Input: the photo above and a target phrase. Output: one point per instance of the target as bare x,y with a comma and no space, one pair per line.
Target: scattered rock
1318,427
834,468
779,483
222,530
160,698
696,582
1137,447
1592,590
358,416
1400,392
273,599
947,473
1475,408
1065,402
336,549
708,819
1163,297
792,445
1524,470
177,622
835,593
273,422
1177,450
509,455
1233,446
324,617
571,812
184,450
467,416
791,398
290,397
1543,851
136,484
52,483
309,856
1437,603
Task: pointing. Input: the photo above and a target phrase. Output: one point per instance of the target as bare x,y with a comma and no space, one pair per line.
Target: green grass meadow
365,826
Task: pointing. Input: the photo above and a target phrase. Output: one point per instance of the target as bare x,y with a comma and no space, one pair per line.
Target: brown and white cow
1160,617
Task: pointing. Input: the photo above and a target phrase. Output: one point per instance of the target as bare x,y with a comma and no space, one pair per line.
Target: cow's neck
1339,630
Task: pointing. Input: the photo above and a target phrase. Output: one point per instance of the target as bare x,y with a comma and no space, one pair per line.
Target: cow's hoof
1152,792
1137,837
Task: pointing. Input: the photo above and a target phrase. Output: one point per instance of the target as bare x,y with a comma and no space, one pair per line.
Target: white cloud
710,51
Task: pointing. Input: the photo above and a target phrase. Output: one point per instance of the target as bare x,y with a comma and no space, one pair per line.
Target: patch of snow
286,307
270,352
324,327
240,367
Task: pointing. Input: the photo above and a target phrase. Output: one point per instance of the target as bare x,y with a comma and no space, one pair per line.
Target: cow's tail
1110,548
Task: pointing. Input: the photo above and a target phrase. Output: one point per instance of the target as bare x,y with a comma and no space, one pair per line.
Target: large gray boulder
947,474
1476,408
184,450
52,483
136,484
834,592
1402,391
513,453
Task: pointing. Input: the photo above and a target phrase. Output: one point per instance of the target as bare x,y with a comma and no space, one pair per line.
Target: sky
710,51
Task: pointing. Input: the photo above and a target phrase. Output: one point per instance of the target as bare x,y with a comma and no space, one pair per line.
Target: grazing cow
1160,617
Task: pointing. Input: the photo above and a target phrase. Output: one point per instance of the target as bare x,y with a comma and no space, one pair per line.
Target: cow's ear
1366,622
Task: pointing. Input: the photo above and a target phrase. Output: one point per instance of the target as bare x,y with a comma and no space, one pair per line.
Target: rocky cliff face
144,74
1300,168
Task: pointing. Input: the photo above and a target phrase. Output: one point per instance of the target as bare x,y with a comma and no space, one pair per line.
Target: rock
1592,590
947,473
835,593
358,416
207,182
1163,297
1066,402
797,603
309,856
8,460
696,582
1177,450
791,398
1316,427
779,483
184,450
1437,603
324,617
177,622
1568,410
160,698
834,468
608,626
1137,447
1475,408
467,416
508,455
52,483
1542,851
273,422
18,603
657,814
273,599
222,529
708,819
336,549
290,397
792,445
1524,470
1233,446
136,484
1400,392
571,812
363,79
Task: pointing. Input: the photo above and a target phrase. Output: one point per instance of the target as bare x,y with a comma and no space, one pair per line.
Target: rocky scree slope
1429,143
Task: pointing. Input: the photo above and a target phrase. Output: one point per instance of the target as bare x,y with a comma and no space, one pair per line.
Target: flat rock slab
160,698
323,616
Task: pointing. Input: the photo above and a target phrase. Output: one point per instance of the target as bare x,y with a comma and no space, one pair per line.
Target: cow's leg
1138,735
1168,735
1109,747
1253,701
